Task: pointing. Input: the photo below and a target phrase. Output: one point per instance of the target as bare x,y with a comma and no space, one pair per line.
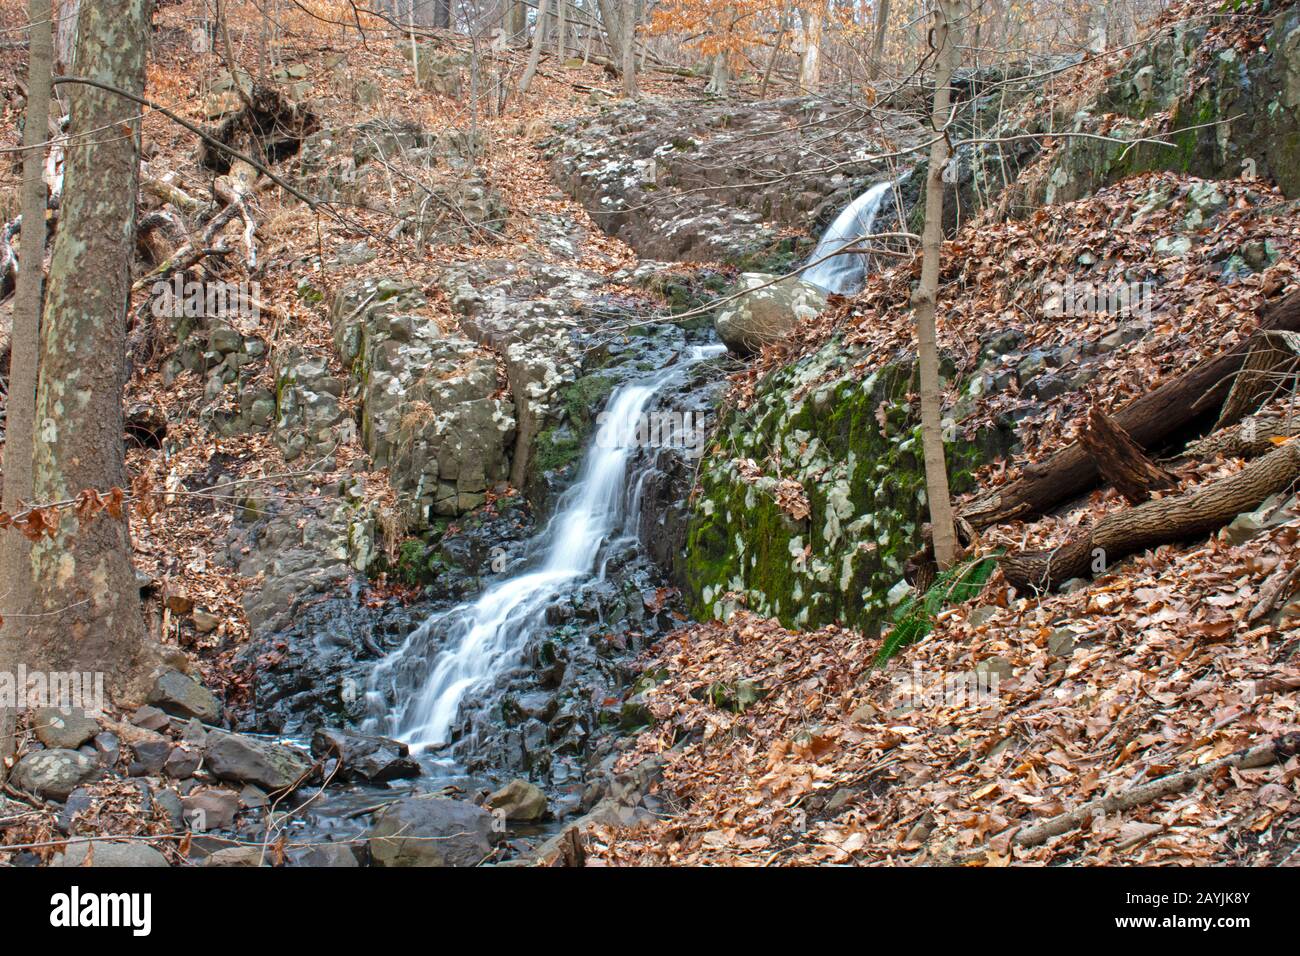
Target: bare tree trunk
784,25
878,43
65,37
15,582
946,13
628,39
810,63
562,30
535,56
84,590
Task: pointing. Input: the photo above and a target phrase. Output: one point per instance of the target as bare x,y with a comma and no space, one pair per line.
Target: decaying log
1246,439
171,193
157,235
1276,750
1177,518
1269,370
1120,461
1148,419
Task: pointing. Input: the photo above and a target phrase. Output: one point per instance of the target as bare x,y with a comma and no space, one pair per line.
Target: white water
473,642
845,273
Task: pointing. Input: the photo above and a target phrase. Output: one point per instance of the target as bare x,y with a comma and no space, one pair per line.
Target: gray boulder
519,800
768,313
109,854
53,773
67,730
270,766
181,695
431,831
373,758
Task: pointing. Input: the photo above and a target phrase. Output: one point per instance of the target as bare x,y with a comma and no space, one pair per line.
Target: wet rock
519,800
768,314
103,853
245,759
324,855
63,729
431,831
53,774
180,695
210,809
376,759
237,856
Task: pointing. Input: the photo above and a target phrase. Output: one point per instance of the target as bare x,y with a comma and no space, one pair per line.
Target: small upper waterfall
452,652
845,273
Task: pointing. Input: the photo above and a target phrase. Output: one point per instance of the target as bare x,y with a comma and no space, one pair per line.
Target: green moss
855,447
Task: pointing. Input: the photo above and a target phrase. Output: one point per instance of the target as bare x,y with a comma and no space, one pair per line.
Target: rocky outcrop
825,540
430,404
711,181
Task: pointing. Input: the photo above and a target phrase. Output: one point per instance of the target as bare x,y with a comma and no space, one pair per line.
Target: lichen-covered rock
431,406
767,313
309,417
853,446
708,181
53,773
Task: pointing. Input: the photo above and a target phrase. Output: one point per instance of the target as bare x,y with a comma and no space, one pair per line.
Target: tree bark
535,56
878,43
84,591
23,354
631,13
1179,518
1120,461
1148,420
946,13
810,63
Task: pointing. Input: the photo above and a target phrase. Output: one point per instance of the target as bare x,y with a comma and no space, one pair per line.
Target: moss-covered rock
854,445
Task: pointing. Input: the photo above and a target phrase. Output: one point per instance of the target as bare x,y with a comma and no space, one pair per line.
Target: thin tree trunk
84,590
810,63
878,43
776,51
15,581
628,39
534,57
562,30
946,13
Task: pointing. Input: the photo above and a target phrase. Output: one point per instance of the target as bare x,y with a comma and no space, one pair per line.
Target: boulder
53,773
181,695
109,854
373,758
434,831
768,313
242,759
210,809
324,855
519,800
67,730
237,856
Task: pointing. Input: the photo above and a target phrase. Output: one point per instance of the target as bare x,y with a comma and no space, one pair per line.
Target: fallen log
1120,461
1148,419
1276,750
1177,518
1246,439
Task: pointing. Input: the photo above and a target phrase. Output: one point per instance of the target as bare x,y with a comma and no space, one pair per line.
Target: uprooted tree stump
1120,460
1177,518
268,126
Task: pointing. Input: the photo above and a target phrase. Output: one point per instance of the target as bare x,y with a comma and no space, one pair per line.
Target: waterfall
456,650
844,274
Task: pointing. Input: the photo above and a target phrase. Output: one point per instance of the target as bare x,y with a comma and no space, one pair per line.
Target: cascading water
458,649
845,273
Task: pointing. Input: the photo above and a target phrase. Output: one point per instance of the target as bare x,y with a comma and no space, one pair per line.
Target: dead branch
1120,461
